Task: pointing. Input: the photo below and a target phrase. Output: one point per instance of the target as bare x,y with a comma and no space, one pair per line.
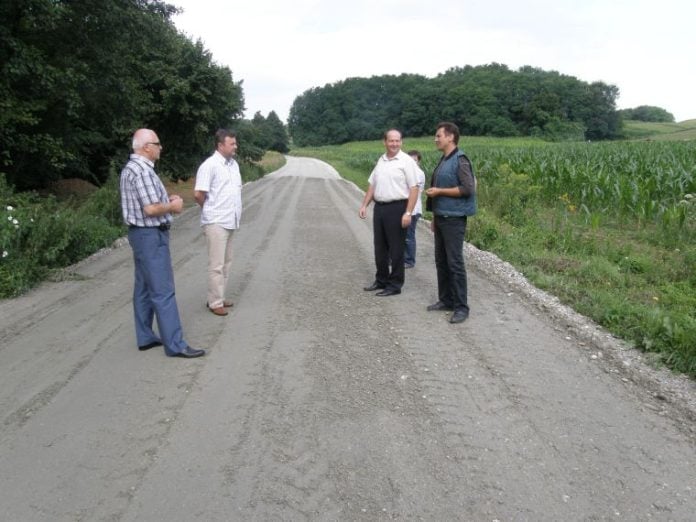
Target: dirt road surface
319,401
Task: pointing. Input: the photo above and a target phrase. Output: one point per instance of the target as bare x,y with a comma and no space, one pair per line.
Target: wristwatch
407,213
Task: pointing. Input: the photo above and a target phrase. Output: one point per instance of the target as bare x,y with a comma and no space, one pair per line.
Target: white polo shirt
222,181
420,176
392,178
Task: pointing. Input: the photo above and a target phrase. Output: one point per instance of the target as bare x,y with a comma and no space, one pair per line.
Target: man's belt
161,226
391,202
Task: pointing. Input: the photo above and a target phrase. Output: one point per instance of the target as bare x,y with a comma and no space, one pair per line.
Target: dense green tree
358,109
193,97
258,120
647,113
420,110
32,88
266,133
598,112
315,119
483,100
250,141
277,133
79,76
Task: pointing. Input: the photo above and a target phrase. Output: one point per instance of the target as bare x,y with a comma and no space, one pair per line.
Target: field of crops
641,181
608,227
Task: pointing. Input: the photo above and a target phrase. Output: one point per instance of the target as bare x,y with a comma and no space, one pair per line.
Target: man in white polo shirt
218,191
394,189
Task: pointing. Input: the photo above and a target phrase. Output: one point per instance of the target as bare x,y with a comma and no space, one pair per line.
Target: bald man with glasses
147,210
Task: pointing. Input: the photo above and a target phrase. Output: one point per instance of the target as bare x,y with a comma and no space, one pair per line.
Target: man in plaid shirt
147,210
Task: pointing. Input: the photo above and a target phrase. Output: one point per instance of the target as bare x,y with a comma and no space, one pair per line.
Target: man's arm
175,206
413,194
202,182
467,182
199,196
452,192
366,201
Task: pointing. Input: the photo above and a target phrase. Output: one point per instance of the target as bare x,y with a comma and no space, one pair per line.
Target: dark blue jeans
410,254
449,261
153,292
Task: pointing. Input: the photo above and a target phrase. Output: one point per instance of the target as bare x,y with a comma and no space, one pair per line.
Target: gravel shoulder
611,353
319,401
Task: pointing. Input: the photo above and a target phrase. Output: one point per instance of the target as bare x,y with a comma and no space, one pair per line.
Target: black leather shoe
459,316
387,292
149,345
374,286
189,353
438,306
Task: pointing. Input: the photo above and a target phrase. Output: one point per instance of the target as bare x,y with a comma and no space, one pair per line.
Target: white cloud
282,48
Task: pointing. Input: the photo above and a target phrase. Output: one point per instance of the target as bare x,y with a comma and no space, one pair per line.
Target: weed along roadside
40,235
609,228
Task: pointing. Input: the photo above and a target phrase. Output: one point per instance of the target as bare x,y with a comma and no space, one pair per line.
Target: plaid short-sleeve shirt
140,186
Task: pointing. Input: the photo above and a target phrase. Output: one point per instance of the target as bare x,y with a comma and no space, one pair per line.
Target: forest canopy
79,76
486,100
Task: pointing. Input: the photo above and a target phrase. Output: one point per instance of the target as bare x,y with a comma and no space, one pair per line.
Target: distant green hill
641,130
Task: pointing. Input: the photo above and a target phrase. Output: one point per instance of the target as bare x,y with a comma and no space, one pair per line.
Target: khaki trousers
219,241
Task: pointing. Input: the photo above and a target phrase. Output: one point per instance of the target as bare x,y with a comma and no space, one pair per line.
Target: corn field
644,181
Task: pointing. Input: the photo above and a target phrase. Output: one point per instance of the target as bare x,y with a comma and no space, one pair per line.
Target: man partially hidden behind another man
451,198
218,191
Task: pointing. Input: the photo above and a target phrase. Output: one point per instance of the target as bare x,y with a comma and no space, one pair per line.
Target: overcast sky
281,48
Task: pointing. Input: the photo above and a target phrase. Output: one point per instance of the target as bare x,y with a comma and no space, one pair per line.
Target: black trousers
449,261
390,242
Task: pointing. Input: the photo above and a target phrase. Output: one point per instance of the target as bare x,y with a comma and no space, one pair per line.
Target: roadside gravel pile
617,355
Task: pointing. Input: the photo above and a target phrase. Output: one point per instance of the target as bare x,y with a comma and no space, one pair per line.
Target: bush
39,233
483,231
250,171
105,202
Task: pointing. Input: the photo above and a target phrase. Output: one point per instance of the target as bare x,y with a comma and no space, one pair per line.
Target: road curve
317,400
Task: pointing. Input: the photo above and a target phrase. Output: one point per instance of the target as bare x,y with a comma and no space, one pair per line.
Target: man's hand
363,212
176,204
406,221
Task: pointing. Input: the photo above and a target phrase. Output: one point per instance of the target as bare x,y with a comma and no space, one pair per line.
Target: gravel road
319,401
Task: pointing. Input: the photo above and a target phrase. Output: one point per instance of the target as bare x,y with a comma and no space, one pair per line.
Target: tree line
79,76
647,113
486,100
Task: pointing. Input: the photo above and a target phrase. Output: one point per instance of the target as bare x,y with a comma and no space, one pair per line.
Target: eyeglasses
154,143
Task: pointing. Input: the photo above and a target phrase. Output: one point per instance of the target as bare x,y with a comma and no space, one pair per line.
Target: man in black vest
451,198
